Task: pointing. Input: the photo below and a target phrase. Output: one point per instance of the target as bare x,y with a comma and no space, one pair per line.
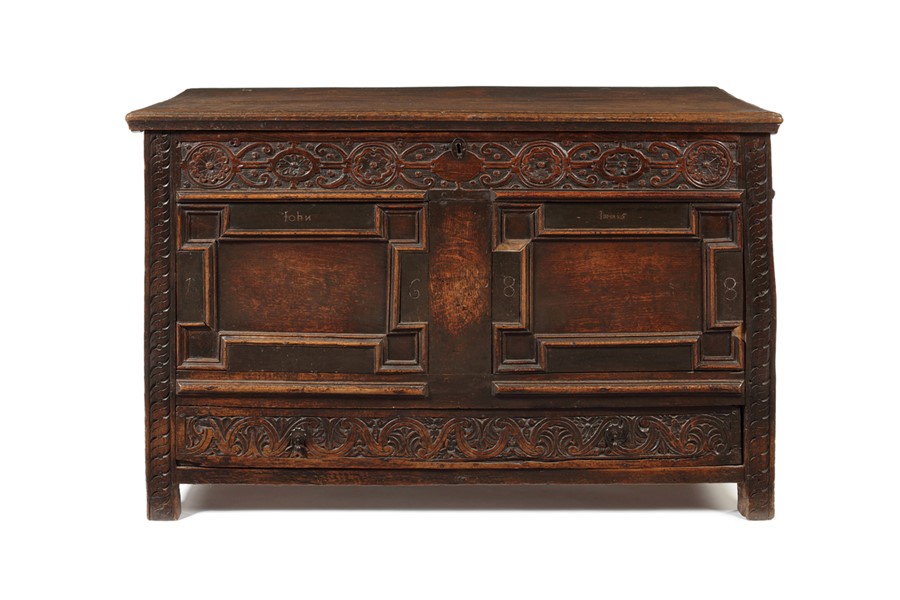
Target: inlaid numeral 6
414,292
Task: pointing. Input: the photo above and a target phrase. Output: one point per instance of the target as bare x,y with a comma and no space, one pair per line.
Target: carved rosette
373,165
295,166
714,435
541,164
503,164
707,164
209,165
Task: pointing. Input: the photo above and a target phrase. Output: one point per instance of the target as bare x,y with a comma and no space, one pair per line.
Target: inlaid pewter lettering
296,217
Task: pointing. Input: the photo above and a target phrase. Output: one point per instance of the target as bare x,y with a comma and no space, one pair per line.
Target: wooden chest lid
456,109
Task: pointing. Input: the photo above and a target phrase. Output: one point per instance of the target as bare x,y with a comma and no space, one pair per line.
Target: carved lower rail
347,439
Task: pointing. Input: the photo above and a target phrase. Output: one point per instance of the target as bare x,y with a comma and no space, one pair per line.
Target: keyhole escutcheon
458,147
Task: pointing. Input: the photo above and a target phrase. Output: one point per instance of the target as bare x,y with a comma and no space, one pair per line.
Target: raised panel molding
581,162
402,347
237,387
717,345
730,387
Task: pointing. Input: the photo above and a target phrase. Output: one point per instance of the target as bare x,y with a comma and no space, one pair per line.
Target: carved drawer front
390,439
587,286
302,287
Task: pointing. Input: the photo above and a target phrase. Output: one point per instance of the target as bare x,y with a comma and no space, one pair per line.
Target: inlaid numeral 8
731,292
509,286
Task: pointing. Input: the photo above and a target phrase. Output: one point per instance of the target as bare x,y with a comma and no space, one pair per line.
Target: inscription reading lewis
617,216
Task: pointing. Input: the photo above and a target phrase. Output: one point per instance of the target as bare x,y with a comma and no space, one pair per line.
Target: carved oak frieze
300,438
476,165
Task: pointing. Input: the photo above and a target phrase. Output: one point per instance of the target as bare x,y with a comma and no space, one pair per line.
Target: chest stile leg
163,496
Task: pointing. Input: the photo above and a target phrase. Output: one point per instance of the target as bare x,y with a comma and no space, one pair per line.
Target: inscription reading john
314,216
296,217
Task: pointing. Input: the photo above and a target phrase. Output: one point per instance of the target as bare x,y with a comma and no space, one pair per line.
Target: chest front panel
458,272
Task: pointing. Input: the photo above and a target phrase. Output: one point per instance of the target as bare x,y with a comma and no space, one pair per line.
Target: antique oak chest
459,285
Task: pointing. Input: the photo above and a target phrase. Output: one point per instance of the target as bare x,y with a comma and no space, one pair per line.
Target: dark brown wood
459,285
675,109
575,281
303,289
756,494
464,439
163,495
717,474
238,162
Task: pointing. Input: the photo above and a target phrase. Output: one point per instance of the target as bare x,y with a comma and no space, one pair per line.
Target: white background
72,280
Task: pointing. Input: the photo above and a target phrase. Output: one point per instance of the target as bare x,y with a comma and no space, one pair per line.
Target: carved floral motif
209,165
707,164
373,165
541,164
464,438
295,165
506,164
622,164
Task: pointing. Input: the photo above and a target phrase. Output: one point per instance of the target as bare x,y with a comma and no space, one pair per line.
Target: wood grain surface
283,108
459,285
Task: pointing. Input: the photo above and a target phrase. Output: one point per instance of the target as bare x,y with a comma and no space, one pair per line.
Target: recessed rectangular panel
301,358
506,286
729,286
716,344
277,217
402,347
617,286
597,215
413,292
201,226
201,343
716,226
620,358
191,286
302,287
403,227
518,346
